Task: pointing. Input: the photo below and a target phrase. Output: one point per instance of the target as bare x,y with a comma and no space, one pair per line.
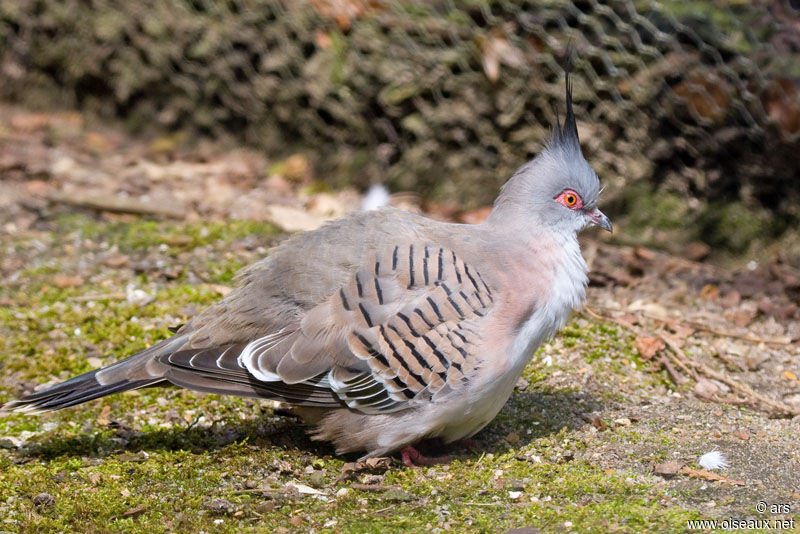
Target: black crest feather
566,136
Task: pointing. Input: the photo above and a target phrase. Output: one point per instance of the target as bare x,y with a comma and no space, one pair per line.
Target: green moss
651,209
171,451
734,226
139,234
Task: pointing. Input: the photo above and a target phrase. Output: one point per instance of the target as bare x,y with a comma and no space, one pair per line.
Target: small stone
9,443
219,506
522,384
44,500
265,507
316,480
515,485
250,484
623,421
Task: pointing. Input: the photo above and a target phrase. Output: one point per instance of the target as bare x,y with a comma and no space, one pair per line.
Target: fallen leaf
645,254
741,435
668,468
789,375
710,292
599,424
696,251
497,50
649,346
370,464
293,219
63,281
136,510
116,261
102,419
708,475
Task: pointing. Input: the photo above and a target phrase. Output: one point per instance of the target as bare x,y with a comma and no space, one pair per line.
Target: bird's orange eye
570,199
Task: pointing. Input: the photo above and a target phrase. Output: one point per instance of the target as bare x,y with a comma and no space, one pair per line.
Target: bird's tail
138,371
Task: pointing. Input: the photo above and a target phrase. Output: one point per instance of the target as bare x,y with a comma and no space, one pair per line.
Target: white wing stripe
249,356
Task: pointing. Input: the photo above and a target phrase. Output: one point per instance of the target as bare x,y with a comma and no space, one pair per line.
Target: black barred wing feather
416,317
400,332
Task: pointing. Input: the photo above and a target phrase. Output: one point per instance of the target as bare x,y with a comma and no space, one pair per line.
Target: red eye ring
570,199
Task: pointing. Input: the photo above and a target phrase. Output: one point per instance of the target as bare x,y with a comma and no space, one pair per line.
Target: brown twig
118,204
707,328
373,487
107,296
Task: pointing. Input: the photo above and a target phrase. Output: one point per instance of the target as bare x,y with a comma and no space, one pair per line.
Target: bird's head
558,188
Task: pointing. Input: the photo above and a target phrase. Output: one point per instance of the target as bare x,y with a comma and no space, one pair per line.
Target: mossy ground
155,460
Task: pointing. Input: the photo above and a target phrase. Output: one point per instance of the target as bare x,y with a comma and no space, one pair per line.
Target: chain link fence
676,99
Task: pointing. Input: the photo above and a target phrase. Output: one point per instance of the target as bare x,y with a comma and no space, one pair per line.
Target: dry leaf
599,424
708,475
789,375
741,435
102,419
63,281
649,346
293,219
116,261
668,468
370,464
645,254
497,50
136,510
710,292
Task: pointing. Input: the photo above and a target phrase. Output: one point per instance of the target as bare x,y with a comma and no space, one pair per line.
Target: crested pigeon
387,328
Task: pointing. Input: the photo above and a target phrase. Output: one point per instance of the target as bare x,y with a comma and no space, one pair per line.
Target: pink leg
413,458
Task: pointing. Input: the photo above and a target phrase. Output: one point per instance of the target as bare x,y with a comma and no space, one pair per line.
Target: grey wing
399,332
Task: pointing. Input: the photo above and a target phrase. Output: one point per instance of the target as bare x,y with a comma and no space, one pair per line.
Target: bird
385,329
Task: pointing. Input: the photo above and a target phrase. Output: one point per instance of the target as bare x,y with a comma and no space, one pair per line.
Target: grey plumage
386,327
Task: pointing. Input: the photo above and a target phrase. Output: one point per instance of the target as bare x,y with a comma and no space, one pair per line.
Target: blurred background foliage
689,110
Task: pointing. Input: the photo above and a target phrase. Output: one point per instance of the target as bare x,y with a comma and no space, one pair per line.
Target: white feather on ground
376,197
713,460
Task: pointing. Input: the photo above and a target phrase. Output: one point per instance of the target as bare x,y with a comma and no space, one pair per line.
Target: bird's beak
599,218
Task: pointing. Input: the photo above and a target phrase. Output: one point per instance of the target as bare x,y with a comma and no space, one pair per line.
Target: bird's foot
413,458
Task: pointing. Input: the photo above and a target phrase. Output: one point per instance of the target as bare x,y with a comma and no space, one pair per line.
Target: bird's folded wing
403,330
